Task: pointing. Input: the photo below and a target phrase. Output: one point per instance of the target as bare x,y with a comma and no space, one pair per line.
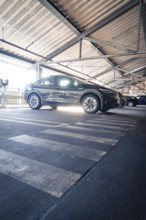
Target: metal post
80,52
3,87
38,71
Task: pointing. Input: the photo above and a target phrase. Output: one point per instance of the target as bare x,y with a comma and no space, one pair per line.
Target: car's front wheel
91,104
34,101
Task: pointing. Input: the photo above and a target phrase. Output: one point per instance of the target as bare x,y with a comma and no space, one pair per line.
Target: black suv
131,101
61,90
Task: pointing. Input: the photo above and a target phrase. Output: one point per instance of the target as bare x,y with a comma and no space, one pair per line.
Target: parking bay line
81,136
47,178
83,152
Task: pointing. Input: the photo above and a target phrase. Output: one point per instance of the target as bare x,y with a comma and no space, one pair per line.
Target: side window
65,82
44,82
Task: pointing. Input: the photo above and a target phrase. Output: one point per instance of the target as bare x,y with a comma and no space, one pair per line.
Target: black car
131,101
61,90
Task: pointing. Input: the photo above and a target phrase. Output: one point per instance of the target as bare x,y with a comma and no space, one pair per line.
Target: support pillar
38,72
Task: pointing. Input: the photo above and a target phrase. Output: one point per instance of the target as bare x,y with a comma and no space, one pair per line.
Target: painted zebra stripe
47,178
111,123
81,136
28,123
121,119
29,119
102,126
79,151
93,129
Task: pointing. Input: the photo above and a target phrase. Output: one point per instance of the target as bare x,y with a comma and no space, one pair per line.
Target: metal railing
10,97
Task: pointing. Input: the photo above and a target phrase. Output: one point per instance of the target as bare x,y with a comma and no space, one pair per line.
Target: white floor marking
83,152
29,119
29,123
111,123
93,129
102,126
121,119
81,136
42,176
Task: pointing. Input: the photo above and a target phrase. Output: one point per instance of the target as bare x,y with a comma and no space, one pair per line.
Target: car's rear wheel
91,104
130,104
34,101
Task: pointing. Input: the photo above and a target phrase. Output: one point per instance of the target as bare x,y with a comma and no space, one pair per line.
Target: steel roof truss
92,29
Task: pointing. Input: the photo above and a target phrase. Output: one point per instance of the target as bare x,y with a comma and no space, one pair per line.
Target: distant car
122,100
131,101
62,90
142,100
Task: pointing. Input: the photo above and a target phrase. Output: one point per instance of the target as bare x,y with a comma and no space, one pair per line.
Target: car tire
130,104
34,101
90,104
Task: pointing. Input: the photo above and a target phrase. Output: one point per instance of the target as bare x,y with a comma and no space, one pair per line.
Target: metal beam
21,48
130,83
136,73
110,44
91,30
80,51
15,56
111,68
102,57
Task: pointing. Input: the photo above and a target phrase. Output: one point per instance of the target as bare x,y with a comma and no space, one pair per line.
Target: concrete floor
61,165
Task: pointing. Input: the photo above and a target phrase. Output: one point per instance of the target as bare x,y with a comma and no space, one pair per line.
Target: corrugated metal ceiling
49,31
86,13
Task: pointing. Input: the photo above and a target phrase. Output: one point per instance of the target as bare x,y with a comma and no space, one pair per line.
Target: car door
70,89
48,92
